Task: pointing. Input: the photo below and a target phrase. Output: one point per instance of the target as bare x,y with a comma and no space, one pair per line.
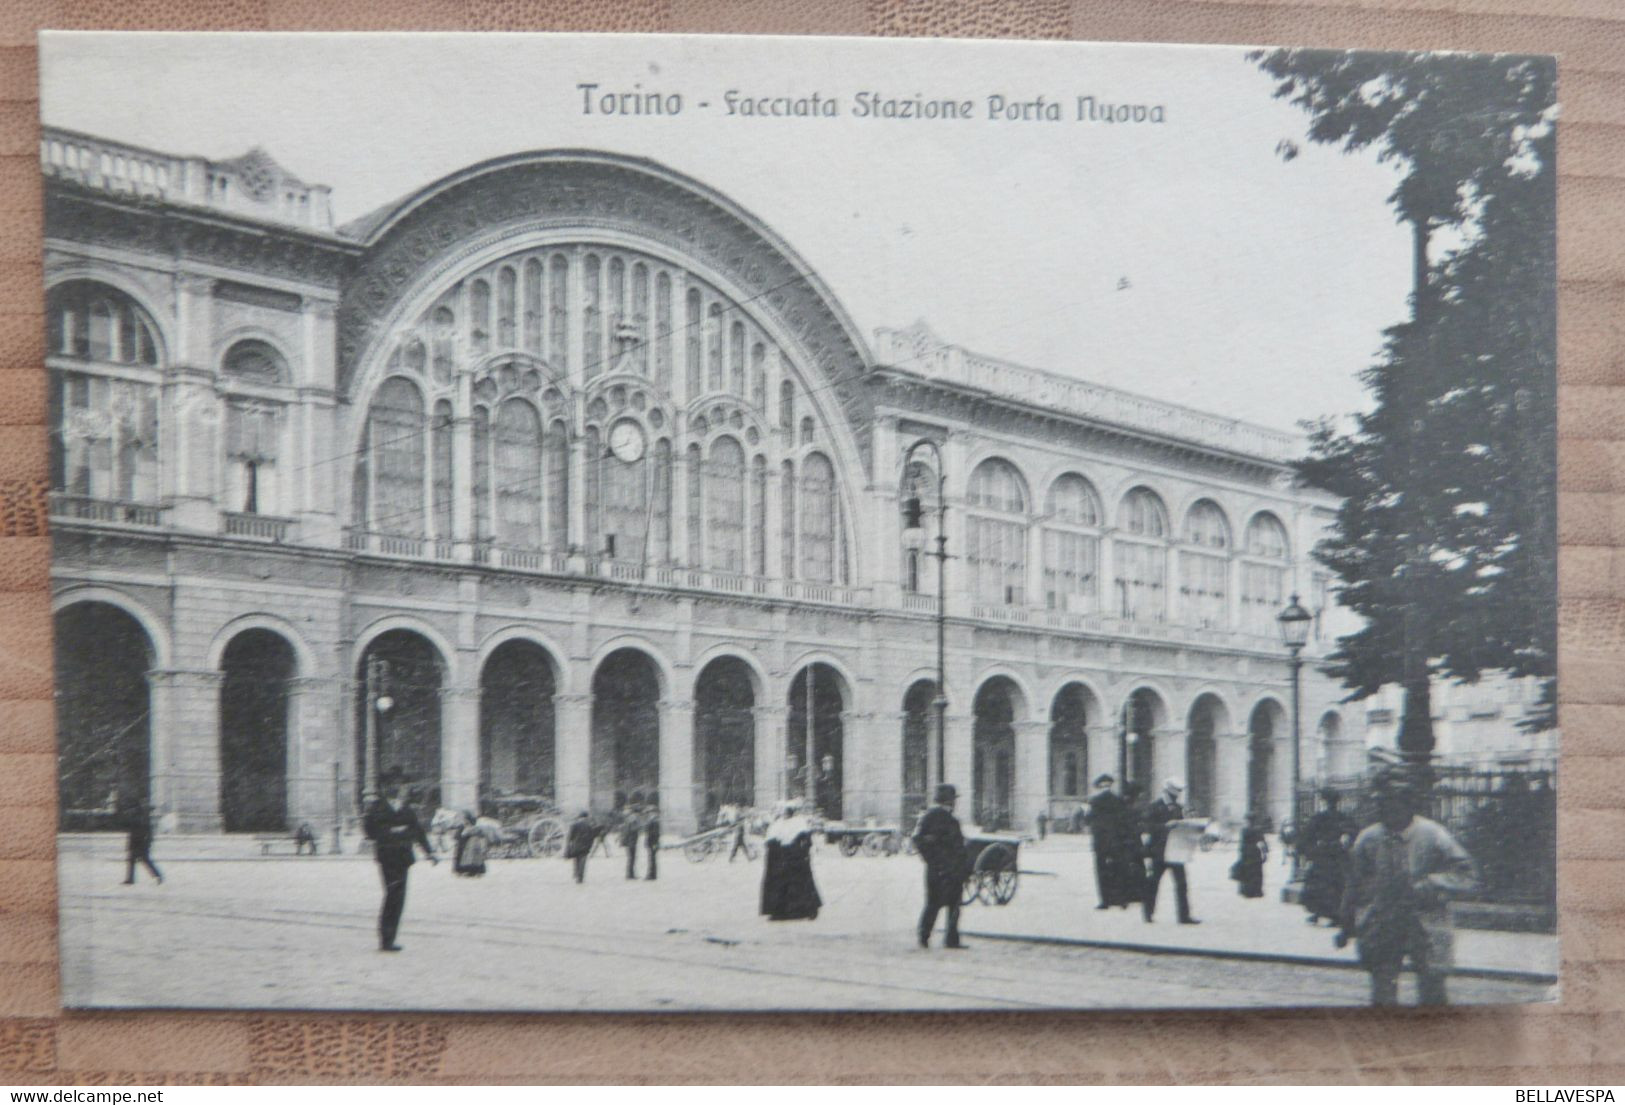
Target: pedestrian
393,827
1402,872
1325,845
1248,870
468,858
651,836
1043,823
600,838
1119,872
631,828
304,837
138,845
1160,817
734,815
941,845
788,890
579,844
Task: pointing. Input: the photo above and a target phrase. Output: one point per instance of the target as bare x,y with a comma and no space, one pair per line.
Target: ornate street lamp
379,703
914,540
1294,622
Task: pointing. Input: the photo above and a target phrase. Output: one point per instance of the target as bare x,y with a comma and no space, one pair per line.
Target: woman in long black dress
788,892
1249,869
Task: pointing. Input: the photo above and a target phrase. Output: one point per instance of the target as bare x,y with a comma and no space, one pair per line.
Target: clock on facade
626,440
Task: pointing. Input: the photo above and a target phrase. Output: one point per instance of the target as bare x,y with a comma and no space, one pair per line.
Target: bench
274,843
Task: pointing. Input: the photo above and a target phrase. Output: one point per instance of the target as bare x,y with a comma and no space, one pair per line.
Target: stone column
770,742
1030,785
1230,763
857,741
676,766
572,755
1169,757
959,756
886,764
460,747
314,751
185,769
1101,740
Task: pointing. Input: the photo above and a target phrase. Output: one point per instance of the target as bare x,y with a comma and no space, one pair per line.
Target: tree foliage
1445,543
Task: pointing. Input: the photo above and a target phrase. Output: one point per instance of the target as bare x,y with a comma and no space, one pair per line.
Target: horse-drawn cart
869,839
516,826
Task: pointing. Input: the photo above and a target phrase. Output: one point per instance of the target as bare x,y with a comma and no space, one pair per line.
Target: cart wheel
874,844
697,850
547,838
973,884
996,867
850,845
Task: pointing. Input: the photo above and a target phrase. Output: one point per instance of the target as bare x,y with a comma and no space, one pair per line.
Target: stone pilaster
770,743
314,752
1031,782
677,766
185,767
460,747
572,755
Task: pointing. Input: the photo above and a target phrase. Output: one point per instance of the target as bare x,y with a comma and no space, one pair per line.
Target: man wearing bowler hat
393,828
942,846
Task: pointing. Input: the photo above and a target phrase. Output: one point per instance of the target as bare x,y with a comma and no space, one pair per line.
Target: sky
1183,259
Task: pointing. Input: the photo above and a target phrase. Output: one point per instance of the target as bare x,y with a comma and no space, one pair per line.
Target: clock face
626,440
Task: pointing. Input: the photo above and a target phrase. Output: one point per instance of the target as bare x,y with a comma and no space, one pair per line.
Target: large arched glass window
558,326
106,440
592,317
1141,557
758,516
533,305
626,508
396,432
519,474
819,526
1204,566
662,338
1072,545
996,534
1264,569
253,427
640,319
713,347
507,307
725,498
694,346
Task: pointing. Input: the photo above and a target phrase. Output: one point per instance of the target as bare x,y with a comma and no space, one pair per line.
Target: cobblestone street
299,933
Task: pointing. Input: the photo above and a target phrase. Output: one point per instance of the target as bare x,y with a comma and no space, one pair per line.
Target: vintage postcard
555,522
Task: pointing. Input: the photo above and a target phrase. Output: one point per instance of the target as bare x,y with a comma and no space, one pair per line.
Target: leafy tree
1445,543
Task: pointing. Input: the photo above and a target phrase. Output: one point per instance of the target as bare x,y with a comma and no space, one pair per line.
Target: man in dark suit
942,845
1158,816
651,837
138,848
393,828
631,825
579,845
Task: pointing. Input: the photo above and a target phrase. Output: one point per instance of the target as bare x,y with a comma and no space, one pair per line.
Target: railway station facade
606,477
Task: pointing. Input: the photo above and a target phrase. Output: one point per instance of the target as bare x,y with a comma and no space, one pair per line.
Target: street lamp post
1294,622
914,539
378,704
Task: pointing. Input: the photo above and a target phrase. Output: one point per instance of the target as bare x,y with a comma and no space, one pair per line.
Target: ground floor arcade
263,725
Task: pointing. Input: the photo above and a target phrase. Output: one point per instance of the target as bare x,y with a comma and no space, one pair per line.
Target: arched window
443,327
106,444
395,427
787,404
996,534
518,473
758,516
1141,557
920,481
255,362
696,506
1072,546
696,366
533,306
479,322
819,527
640,318
1204,567
758,377
663,332
807,430
558,325
482,475
1264,573
713,347
736,359
507,306
92,321
440,431
592,317
787,524
556,459
660,551
725,496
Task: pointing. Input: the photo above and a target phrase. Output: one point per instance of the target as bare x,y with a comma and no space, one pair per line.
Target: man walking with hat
942,845
393,828
1160,817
